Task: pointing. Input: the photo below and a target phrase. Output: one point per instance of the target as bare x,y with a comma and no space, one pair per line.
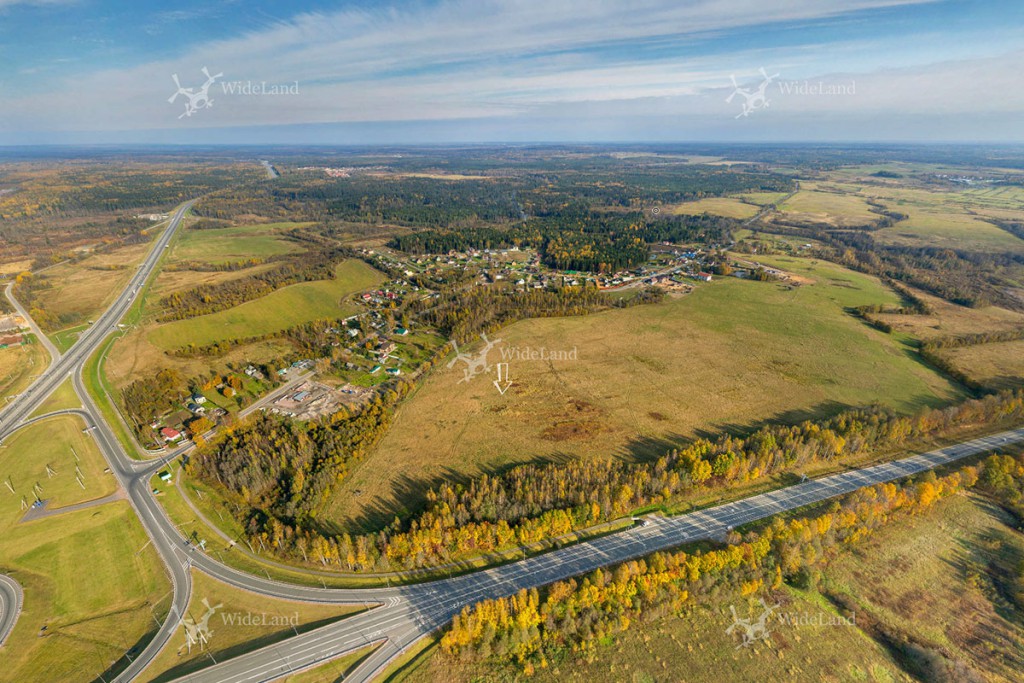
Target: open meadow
279,310
79,291
92,587
729,356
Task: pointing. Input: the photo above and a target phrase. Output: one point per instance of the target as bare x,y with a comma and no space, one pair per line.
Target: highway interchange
403,614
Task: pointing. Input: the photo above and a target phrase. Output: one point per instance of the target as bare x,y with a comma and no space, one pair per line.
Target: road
43,339
417,610
11,599
406,613
12,415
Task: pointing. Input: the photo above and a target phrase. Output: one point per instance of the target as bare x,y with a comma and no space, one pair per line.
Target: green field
730,207
729,356
20,365
277,311
87,576
832,207
998,366
949,229
62,398
223,245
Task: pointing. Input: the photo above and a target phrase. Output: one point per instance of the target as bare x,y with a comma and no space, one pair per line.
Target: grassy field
998,366
235,244
87,287
951,320
64,397
730,207
931,579
949,229
19,366
280,310
87,577
274,621
333,671
937,579
831,207
726,357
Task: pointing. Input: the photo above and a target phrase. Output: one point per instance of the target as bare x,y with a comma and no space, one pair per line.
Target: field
836,208
222,245
719,206
274,621
82,290
998,366
952,320
62,398
277,311
937,579
19,366
86,576
730,355
948,229
929,580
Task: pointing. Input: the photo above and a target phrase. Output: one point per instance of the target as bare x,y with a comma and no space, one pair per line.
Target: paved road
414,611
406,613
43,339
11,599
12,415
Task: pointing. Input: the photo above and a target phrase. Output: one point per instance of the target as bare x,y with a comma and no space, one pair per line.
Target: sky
457,71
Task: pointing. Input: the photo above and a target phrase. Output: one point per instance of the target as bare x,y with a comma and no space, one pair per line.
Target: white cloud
461,59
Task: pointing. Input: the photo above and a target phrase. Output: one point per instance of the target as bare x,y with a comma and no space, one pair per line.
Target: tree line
534,502
535,627
210,298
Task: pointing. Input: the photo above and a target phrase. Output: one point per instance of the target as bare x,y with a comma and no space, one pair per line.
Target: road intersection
404,614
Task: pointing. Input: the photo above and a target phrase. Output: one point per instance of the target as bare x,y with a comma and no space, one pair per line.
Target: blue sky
529,70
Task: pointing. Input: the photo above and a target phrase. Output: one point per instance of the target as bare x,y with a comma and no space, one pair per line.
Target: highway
12,415
415,611
405,613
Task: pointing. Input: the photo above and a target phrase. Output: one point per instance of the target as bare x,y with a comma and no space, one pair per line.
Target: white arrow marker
497,382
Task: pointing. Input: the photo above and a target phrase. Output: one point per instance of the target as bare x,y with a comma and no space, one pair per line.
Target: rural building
170,435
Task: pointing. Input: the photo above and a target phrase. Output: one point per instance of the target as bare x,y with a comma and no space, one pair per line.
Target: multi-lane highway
407,613
66,365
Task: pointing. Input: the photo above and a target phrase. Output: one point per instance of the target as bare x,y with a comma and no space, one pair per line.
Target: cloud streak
526,58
